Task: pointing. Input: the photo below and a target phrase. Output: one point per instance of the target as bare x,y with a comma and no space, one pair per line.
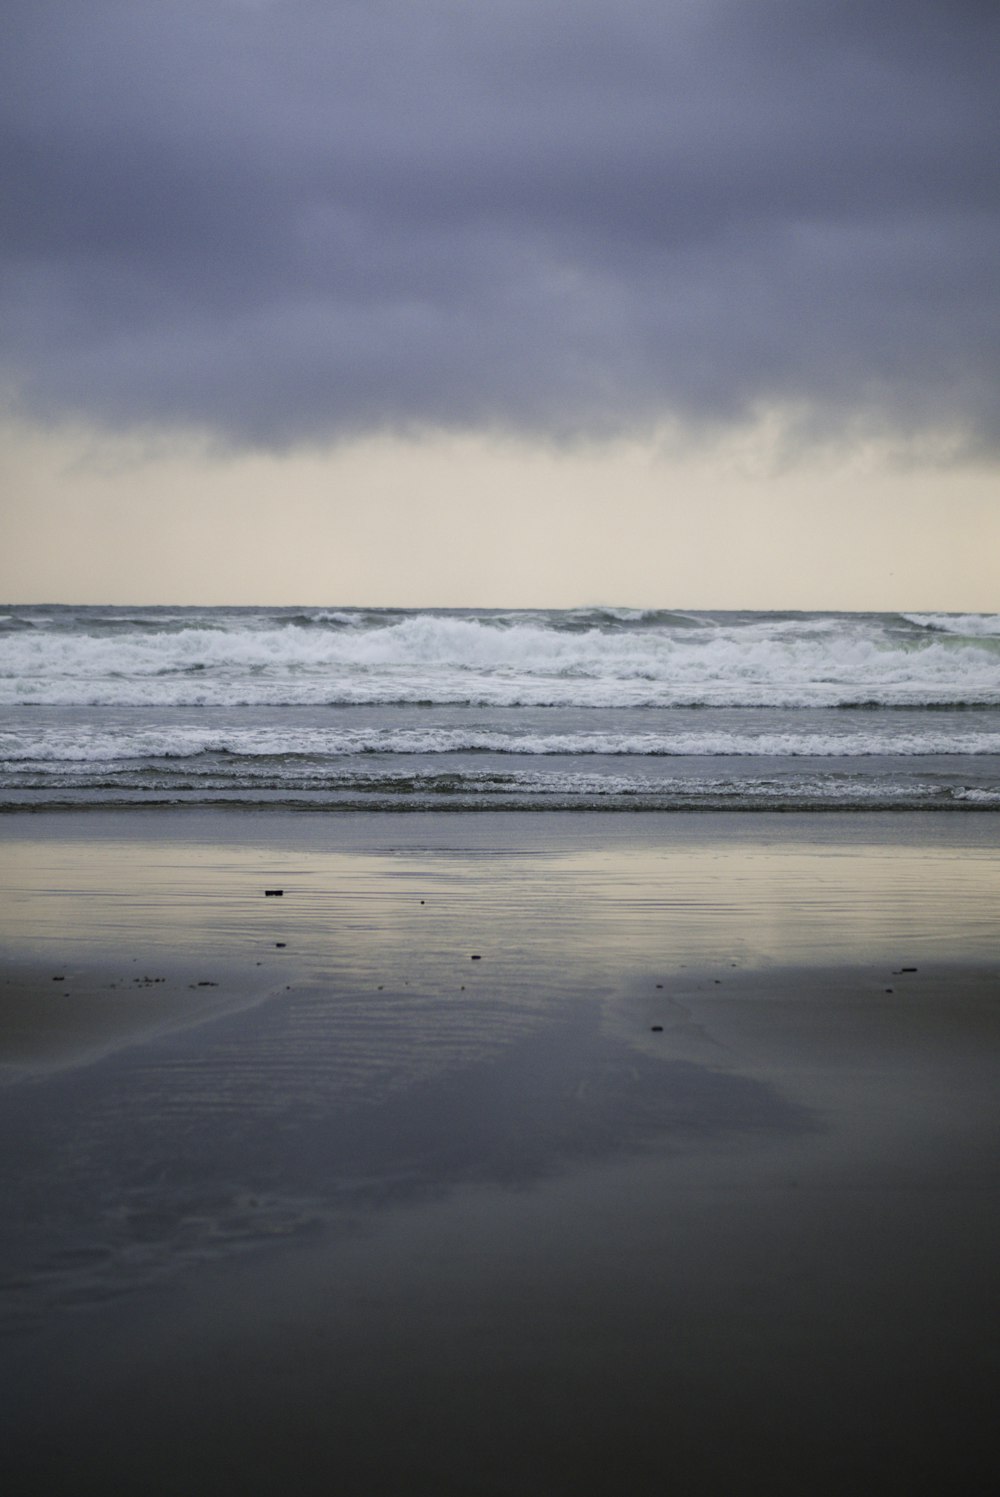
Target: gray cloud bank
296,219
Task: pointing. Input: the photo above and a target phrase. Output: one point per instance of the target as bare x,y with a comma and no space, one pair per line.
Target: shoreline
472,806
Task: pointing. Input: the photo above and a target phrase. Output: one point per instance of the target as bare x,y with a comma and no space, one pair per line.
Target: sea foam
86,745
516,660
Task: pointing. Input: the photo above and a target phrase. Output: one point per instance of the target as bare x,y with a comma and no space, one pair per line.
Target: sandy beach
499,750
499,1154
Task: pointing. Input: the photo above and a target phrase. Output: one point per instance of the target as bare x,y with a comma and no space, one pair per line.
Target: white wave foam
256,742
506,660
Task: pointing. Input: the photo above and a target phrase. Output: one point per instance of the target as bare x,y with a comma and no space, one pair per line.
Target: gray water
467,709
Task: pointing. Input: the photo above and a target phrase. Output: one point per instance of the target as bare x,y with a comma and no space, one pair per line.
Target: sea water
470,709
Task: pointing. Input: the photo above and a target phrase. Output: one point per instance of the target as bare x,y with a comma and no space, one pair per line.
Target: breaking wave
974,625
310,743
603,658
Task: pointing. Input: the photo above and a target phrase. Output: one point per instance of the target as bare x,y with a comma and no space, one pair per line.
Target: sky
542,302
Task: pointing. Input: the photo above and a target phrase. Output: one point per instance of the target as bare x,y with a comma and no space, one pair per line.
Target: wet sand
505,1154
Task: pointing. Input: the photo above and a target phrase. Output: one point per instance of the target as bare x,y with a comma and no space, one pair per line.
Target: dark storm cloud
294,219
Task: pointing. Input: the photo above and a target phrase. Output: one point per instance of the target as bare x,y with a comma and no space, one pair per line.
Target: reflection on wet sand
685,1183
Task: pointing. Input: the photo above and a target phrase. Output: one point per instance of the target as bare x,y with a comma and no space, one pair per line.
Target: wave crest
587,658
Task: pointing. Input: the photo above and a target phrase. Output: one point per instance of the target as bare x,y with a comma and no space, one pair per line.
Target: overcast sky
357,271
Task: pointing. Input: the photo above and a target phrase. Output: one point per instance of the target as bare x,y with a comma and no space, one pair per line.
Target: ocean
490,709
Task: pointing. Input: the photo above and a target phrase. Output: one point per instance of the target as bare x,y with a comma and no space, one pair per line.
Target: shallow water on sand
563,1147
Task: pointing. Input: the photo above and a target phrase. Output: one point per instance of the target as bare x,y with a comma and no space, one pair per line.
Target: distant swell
972,625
